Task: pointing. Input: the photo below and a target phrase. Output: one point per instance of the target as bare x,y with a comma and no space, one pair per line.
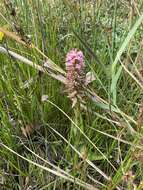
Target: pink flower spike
75,76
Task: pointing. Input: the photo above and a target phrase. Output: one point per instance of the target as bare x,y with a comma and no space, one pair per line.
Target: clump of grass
38,146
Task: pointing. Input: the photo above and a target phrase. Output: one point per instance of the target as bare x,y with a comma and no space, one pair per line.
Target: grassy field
46,143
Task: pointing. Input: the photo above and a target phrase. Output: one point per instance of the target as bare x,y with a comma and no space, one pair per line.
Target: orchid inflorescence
75,76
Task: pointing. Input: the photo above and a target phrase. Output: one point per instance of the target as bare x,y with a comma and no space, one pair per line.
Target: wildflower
44,97
1,35
75,77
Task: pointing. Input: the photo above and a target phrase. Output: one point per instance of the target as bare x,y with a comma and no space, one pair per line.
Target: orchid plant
75,80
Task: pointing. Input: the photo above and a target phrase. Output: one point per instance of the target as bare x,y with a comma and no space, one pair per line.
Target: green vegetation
45,143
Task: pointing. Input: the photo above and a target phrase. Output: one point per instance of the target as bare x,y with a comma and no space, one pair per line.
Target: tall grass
44,142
